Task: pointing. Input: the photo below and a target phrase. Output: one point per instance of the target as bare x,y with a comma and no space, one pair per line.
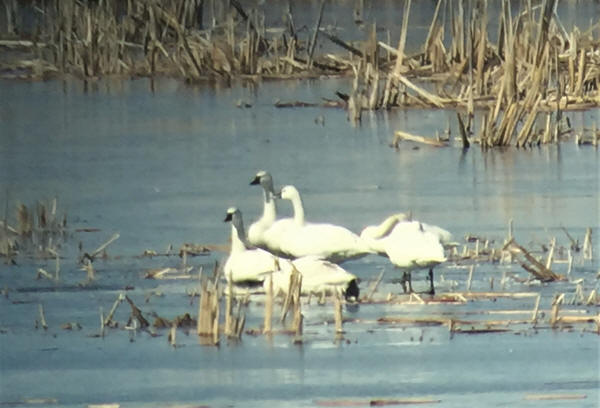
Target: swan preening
251,266
409,245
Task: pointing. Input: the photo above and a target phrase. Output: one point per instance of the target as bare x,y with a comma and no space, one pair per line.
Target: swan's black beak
228,217
277,195
255,181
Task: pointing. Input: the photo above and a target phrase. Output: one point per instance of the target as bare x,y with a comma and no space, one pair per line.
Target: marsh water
159,162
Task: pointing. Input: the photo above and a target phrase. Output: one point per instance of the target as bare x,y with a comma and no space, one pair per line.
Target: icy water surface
162,167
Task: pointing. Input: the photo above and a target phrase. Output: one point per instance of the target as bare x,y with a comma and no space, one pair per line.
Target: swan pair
294,237
409,245
247,265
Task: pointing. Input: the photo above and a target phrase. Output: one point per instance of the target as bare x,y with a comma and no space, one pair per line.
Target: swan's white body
408,244
327,241
246,265
319,277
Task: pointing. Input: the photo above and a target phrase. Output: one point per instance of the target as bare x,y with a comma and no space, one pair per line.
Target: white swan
407,244
385,228
265,232
257,229
246,265
319,277
327,241
251,266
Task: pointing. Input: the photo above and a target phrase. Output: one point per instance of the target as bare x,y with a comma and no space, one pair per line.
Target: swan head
265,180
235,217
288,193
232,213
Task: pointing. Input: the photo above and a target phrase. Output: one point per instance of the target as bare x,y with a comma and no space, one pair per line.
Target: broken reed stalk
535,309
108,321
298,317
207,326
41,273
587,245
228,306
400,136
558,300
551,253
337,304
42,317
102,247
295,283
313,41
101,322
470,278
136,314
530,264
173,335
374,286
268,307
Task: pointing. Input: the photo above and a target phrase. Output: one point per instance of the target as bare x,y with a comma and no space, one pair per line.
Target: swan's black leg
431,289
403,281
410,289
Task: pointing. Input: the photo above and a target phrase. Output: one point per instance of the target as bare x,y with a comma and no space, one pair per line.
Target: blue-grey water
162,167
159,163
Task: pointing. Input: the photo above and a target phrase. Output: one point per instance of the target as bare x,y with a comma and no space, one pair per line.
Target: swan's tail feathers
352,291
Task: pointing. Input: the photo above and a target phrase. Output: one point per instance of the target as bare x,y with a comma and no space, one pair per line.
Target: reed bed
520,85
220,313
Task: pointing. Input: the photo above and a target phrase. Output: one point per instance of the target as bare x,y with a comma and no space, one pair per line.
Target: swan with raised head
265,231
331,242
319,277
407,244
258,228
246,265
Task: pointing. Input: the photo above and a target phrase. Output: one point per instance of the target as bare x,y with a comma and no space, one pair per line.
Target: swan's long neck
375,236
239,241
381,230
269,208
298,208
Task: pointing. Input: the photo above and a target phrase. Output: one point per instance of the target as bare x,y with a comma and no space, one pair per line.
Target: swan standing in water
327,241
265,231
251,266
408,245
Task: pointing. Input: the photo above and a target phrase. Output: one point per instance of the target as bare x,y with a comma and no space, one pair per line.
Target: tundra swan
257,229
265,231
331,242
250,266
407,244
246,265
319,277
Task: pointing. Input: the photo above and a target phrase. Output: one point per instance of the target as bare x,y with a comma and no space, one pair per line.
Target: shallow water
162,167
